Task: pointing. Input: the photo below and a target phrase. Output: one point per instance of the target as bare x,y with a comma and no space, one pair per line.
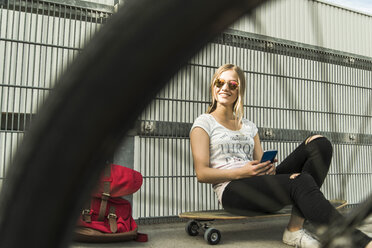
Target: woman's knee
313,137
322,142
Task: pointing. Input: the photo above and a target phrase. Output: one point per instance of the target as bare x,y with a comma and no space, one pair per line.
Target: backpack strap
112,220
105,194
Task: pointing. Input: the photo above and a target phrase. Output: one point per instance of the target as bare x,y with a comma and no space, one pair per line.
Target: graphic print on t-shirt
237,149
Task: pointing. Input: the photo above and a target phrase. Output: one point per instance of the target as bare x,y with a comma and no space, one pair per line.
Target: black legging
271,193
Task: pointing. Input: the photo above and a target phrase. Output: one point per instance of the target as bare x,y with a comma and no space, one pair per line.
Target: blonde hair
238,104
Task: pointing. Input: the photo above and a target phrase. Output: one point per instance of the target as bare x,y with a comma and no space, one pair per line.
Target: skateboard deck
202,219
223,215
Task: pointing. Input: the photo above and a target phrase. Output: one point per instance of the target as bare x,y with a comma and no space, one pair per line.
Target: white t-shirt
227,148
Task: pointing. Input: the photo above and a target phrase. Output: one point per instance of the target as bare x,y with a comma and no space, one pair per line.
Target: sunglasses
232,83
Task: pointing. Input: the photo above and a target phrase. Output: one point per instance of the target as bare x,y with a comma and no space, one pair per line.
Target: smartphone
269,155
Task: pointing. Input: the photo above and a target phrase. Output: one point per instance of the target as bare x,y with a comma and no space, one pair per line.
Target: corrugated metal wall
293,89
312,22
37,40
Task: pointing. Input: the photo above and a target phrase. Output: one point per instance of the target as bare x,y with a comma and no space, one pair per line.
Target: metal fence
293,90
37,41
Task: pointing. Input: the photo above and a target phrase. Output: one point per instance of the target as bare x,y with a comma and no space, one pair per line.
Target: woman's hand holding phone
269,156
272,169
256,168
266,168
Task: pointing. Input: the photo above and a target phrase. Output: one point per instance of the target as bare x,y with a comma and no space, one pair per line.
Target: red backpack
108,218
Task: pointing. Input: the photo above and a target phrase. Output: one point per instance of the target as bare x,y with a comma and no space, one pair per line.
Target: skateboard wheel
192,228
212,236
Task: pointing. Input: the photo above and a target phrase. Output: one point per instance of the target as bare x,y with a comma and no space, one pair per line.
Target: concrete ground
263,233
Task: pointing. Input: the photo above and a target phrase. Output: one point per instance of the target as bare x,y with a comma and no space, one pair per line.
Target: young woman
226,151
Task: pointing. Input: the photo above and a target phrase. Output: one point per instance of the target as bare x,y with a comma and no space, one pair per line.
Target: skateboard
203,220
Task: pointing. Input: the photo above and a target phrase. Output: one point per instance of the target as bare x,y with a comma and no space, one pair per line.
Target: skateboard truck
211,235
